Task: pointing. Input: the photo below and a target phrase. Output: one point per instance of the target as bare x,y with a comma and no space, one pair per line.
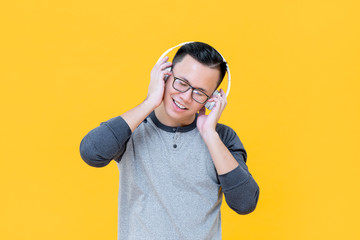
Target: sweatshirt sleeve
105,142
239,187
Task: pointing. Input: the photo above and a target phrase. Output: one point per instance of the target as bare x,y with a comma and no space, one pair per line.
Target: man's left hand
207,123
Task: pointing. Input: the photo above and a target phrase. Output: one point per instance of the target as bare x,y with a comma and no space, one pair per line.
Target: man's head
199,66
204,54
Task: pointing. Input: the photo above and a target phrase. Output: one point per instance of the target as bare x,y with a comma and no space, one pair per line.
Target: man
174,160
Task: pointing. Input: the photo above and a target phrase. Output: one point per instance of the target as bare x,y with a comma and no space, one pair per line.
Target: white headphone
208,105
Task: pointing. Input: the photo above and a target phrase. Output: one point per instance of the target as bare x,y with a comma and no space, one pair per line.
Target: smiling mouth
179,105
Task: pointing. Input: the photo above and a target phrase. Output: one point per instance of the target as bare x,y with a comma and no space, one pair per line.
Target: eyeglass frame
190,87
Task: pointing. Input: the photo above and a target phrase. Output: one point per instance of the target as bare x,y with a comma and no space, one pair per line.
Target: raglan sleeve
239,187
105,142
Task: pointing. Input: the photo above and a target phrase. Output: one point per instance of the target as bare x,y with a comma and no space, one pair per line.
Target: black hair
203,53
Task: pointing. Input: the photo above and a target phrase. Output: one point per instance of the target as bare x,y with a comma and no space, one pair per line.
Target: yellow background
66,66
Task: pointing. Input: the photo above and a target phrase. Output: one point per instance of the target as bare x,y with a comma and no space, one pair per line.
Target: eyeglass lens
183,86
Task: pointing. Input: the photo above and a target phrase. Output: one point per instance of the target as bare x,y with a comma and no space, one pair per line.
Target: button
175,146
174,129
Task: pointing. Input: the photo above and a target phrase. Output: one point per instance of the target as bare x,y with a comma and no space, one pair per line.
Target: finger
216,100
214,96
162,60
166,74
219,103
222,102
165,65
218,97
223,94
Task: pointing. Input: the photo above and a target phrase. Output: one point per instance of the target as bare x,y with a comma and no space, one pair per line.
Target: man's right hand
135,116
157,83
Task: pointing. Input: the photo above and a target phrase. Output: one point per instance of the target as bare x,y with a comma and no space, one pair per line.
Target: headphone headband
227,67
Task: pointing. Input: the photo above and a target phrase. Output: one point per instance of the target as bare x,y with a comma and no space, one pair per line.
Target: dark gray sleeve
239,187
105,142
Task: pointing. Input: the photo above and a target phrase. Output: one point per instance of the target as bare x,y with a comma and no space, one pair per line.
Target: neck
167,120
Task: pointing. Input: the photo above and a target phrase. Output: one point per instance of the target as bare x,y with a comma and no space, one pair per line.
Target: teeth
180,106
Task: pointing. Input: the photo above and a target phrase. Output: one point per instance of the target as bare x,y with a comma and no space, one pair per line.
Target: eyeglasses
197,94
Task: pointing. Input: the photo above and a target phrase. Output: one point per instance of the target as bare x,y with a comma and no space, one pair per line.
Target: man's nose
186,96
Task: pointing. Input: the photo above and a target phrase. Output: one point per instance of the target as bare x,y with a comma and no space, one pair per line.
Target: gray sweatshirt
169,187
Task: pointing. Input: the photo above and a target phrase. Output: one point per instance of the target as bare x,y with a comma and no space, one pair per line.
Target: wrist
209,134
150,104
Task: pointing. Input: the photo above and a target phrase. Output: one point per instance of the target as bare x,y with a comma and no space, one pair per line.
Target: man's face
198,76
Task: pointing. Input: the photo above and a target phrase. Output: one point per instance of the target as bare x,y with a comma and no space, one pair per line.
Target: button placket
175,138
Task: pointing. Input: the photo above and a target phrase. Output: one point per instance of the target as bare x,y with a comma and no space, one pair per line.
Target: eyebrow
182,78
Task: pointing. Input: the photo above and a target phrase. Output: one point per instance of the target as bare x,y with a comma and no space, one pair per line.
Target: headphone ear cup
167,76
209,105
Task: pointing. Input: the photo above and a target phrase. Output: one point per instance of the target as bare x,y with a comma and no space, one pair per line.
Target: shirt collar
166,128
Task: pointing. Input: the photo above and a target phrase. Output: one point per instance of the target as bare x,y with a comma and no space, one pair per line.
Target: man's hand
206,124
135,116
223,160
157,84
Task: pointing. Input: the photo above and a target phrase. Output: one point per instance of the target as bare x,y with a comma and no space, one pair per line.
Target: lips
182,107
